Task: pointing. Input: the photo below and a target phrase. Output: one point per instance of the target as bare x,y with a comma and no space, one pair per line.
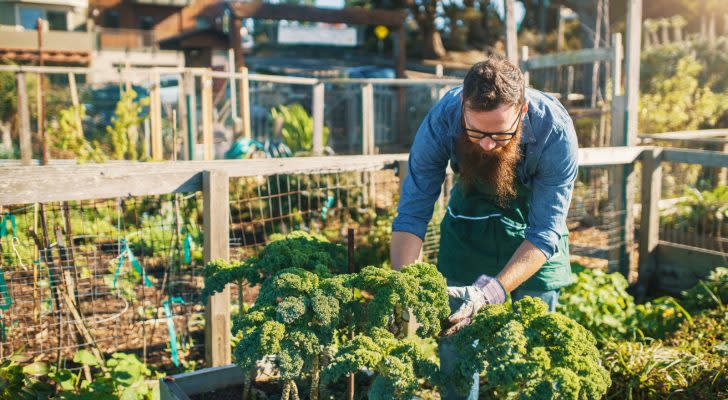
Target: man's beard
495,168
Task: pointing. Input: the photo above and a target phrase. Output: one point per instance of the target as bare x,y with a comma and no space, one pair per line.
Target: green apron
479,237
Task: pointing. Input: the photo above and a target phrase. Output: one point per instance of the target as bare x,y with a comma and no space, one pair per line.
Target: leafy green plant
710,293
297,250
297,127
123,130
399,364
66,136
294,319
525,352
703,211
307,307
689,364
599,301
18,381
677,101
122,376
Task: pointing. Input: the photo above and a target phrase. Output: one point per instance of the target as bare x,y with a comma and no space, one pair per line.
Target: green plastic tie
170,328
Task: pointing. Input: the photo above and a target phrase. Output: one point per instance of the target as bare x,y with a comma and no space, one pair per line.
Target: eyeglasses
500,137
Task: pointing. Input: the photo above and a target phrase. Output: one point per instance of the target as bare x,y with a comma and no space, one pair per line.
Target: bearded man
515,152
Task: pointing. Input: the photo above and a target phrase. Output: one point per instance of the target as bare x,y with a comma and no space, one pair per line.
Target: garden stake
69,249
53,280
352,269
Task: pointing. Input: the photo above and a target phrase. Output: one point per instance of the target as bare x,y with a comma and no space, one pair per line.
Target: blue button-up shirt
548,169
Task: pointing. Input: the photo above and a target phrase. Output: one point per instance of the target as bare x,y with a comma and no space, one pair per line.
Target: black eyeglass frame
479,135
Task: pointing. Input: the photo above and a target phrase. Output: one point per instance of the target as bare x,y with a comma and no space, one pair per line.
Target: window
57,20
111,19
146,22
202,23
29,17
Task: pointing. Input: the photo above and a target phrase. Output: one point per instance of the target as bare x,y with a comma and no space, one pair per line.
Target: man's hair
492,83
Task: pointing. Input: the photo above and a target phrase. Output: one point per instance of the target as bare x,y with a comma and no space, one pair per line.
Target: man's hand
486,290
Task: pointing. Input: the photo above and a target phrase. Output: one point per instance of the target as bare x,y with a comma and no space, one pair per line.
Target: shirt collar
527,133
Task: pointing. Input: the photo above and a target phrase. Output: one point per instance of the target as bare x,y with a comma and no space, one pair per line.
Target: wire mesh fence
96,273
122,274
694,207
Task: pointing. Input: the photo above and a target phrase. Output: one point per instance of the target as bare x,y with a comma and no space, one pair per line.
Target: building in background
105,35
66,40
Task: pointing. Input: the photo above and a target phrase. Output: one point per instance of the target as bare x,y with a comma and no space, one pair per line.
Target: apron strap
503,220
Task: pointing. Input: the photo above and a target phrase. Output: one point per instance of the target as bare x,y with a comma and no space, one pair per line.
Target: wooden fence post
511,33
623,178
26,150
245,106
318,118
183,115
233,86
191,99
155,113
207,135
215,189
524,65
367,119
650,218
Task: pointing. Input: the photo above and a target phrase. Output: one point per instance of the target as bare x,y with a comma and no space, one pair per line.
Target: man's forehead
502,116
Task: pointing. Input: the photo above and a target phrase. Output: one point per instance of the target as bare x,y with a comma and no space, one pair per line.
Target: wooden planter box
182,386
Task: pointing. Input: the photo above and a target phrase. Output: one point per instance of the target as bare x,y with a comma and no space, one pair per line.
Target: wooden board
679,267
24,185
586,56
703,157
205,380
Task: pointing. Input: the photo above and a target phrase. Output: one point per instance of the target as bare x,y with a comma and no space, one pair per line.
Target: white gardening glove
485,290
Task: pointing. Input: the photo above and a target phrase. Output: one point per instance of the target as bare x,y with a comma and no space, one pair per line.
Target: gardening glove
485,290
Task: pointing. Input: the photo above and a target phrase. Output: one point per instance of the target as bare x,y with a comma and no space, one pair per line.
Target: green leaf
65,379
85,357
38,368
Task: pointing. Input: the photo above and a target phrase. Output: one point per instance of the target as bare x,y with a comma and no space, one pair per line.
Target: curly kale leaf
219,273
299,250
307,310
398,364
418,287
525,352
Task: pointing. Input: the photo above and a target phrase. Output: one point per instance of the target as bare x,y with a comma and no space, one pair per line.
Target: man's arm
427,164
525,262
404,249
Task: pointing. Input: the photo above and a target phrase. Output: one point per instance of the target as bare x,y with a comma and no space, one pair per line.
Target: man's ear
525,110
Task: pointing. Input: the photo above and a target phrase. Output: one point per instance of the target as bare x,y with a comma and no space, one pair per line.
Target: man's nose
487,143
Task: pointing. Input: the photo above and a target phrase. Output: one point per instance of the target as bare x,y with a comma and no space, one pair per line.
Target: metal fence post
216,220
191,105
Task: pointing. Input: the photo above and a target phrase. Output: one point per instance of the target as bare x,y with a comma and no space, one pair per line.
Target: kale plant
525,352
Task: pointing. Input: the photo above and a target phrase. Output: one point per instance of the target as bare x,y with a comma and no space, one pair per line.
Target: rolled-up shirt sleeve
427,164
552,187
